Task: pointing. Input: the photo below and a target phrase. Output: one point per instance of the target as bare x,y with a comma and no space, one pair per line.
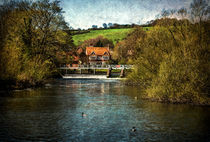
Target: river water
54,113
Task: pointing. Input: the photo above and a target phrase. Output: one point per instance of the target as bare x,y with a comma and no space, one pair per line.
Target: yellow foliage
173,65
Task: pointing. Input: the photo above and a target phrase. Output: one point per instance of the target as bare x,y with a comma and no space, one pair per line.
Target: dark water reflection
54,113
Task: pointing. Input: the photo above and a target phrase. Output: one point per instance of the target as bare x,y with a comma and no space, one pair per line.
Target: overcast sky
85,13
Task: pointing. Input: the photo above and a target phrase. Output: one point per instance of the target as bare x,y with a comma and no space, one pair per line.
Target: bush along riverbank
173,65
173,62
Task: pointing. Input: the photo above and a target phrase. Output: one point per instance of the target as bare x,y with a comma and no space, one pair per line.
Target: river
54,113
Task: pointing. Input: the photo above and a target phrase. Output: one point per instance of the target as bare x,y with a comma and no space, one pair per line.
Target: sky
85,13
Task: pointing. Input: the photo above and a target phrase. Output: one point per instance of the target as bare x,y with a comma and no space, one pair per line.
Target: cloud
85,13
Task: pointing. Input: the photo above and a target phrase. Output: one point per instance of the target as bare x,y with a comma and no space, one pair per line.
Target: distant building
98,55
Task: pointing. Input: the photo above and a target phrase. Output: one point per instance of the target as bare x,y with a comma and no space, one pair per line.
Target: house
98,55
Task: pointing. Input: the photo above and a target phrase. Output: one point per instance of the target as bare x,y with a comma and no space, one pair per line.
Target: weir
96,71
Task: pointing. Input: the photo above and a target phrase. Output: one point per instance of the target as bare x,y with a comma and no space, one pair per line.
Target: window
106,57
92,57
99,58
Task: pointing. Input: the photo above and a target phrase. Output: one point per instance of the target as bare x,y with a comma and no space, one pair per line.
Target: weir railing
94,69
120,67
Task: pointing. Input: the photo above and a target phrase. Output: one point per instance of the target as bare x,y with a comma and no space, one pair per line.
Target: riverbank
10,85
199,100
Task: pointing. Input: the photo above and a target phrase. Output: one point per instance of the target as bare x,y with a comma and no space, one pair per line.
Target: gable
93,53
105,53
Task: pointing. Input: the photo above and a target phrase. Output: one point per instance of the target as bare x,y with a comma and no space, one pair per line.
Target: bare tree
182,12
172,12
165,13
199,10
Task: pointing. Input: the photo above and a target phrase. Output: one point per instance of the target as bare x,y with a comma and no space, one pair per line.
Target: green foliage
173,63
35,71
99,41
128,49
173,58
33,41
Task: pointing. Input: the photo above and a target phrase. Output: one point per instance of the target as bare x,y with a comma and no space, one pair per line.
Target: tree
165,13
182,12
105,25
176,71
31,35
99,41
94,26
110,25
172,12
200,10
42,22
128,48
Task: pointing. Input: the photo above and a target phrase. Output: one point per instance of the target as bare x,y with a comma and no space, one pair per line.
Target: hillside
112,34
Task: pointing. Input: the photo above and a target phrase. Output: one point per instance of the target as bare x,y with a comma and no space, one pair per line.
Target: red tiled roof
76,58
97,50
79,51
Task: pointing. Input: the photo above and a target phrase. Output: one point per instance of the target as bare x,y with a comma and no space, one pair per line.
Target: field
112,34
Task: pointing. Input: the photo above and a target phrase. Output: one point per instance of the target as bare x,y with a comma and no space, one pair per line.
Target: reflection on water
54,113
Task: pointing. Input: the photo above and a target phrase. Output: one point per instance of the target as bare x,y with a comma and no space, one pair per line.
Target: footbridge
93,69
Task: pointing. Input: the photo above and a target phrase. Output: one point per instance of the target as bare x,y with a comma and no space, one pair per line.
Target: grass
112,34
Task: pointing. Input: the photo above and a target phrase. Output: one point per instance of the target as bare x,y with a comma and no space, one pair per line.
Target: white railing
98,67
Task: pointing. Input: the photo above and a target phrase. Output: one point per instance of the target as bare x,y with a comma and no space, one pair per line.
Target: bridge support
122,73
94,71
89,71
80,71
109,72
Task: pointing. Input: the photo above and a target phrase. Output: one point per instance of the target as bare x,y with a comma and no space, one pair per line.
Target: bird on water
83,114
133,129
